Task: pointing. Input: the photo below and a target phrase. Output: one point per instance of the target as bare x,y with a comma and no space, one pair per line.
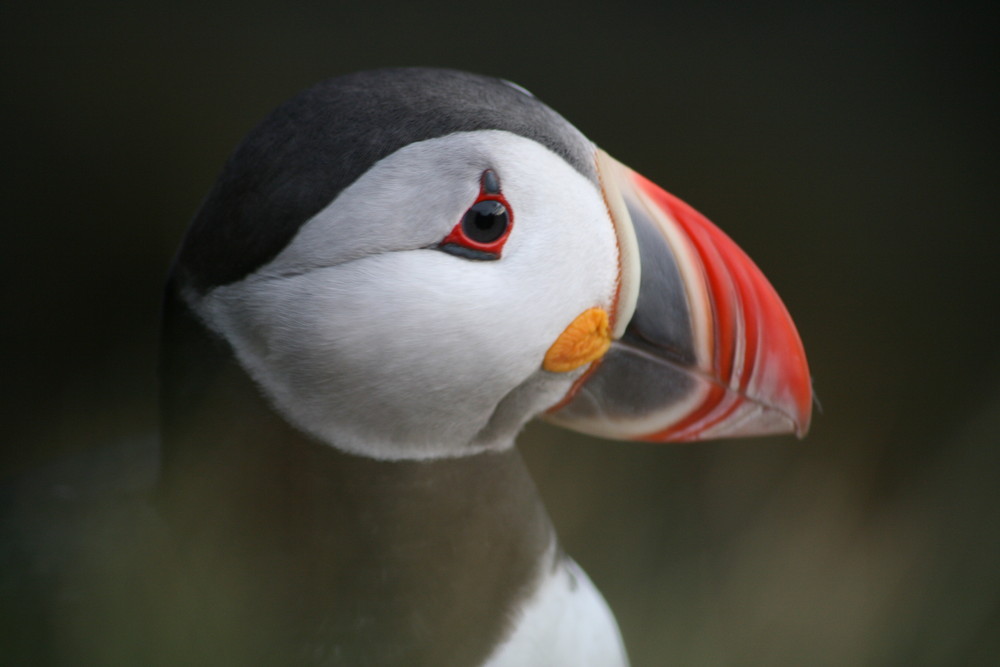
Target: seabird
395,271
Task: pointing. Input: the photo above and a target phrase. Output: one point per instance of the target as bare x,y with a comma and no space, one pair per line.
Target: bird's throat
384,554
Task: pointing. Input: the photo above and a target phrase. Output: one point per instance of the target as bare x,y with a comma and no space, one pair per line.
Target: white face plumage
364,334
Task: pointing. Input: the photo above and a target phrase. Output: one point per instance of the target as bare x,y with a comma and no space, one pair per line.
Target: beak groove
702,345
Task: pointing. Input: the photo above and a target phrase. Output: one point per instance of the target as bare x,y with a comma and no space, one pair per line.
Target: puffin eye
485,226
486,221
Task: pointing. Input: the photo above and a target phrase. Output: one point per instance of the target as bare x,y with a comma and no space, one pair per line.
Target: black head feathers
312,147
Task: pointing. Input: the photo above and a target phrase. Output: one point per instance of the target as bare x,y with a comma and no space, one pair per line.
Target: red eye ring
485,226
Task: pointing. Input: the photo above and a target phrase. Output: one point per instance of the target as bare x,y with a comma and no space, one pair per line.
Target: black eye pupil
485,221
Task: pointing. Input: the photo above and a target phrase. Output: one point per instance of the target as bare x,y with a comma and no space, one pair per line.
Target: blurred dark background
850,149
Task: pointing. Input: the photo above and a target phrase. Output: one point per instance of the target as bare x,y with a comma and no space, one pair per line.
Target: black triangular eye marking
467,253
490,183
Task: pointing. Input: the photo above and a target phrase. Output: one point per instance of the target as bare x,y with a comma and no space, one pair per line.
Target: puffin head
412,263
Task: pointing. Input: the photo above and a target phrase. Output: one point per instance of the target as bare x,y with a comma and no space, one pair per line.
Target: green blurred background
850,149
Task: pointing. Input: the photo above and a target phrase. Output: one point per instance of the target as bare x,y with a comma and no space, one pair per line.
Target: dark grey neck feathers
300,554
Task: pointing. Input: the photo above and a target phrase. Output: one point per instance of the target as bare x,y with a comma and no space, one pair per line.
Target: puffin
395,271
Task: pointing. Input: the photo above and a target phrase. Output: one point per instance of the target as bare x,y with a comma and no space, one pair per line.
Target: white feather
566,623
364,336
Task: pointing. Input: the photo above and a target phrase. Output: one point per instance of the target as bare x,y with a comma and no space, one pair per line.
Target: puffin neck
336,549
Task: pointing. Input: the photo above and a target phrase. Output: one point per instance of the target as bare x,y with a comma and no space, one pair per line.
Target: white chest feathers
565,623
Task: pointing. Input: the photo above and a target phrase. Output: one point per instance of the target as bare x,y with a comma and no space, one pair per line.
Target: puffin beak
701,345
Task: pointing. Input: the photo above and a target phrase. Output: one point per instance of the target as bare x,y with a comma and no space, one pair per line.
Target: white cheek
408,352
365,352
565,246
